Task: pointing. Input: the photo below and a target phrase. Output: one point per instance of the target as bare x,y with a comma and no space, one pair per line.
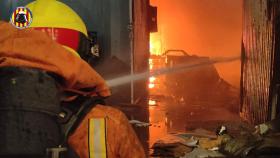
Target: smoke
178,68
204,28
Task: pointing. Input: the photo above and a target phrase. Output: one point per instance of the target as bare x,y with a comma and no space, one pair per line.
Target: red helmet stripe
27,17
67,37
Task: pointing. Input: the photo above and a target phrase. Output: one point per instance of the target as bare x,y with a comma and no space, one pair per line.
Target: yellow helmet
62,23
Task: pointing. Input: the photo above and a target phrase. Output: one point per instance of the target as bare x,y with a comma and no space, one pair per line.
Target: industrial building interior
194,78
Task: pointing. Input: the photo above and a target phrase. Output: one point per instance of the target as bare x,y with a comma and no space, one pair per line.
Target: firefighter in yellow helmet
61,23
102,131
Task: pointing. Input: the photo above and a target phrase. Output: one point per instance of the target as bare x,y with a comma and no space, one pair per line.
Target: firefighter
57,48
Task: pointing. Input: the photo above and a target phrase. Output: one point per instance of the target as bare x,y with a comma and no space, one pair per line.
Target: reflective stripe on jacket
30,48
97,136
121,140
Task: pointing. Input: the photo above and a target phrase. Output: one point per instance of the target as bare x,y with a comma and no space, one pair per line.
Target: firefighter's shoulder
109,112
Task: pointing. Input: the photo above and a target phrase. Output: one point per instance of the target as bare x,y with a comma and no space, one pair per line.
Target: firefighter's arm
129,145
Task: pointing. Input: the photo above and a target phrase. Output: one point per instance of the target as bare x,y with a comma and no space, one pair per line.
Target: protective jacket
105,131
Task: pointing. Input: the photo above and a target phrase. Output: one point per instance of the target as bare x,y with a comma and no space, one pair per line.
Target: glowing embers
152,79
152,82
152,102
152,85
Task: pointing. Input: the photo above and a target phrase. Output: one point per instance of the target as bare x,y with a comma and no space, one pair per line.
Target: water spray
175,69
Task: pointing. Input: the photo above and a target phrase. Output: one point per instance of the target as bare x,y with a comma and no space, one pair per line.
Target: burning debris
201,84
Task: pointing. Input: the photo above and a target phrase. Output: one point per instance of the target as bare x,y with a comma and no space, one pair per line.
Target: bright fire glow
155,44
151,64
152,79
150,61
151,85
151,108
152,102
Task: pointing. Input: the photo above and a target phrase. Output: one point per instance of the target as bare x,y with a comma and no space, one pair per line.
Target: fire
151,61
151,85
152,79
152,102
155,44
151,64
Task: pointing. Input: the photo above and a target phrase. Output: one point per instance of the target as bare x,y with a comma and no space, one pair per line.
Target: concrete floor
169,113
169,117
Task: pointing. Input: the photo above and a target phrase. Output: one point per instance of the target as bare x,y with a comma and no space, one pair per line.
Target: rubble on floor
197,143
138,123
201,143
203,153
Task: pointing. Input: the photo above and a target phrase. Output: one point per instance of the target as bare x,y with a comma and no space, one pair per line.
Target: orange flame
152,102
151,85
152,79
155,44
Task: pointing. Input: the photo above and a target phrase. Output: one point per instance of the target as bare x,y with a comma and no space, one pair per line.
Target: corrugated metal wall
141,43
141,56
258,62
141,35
